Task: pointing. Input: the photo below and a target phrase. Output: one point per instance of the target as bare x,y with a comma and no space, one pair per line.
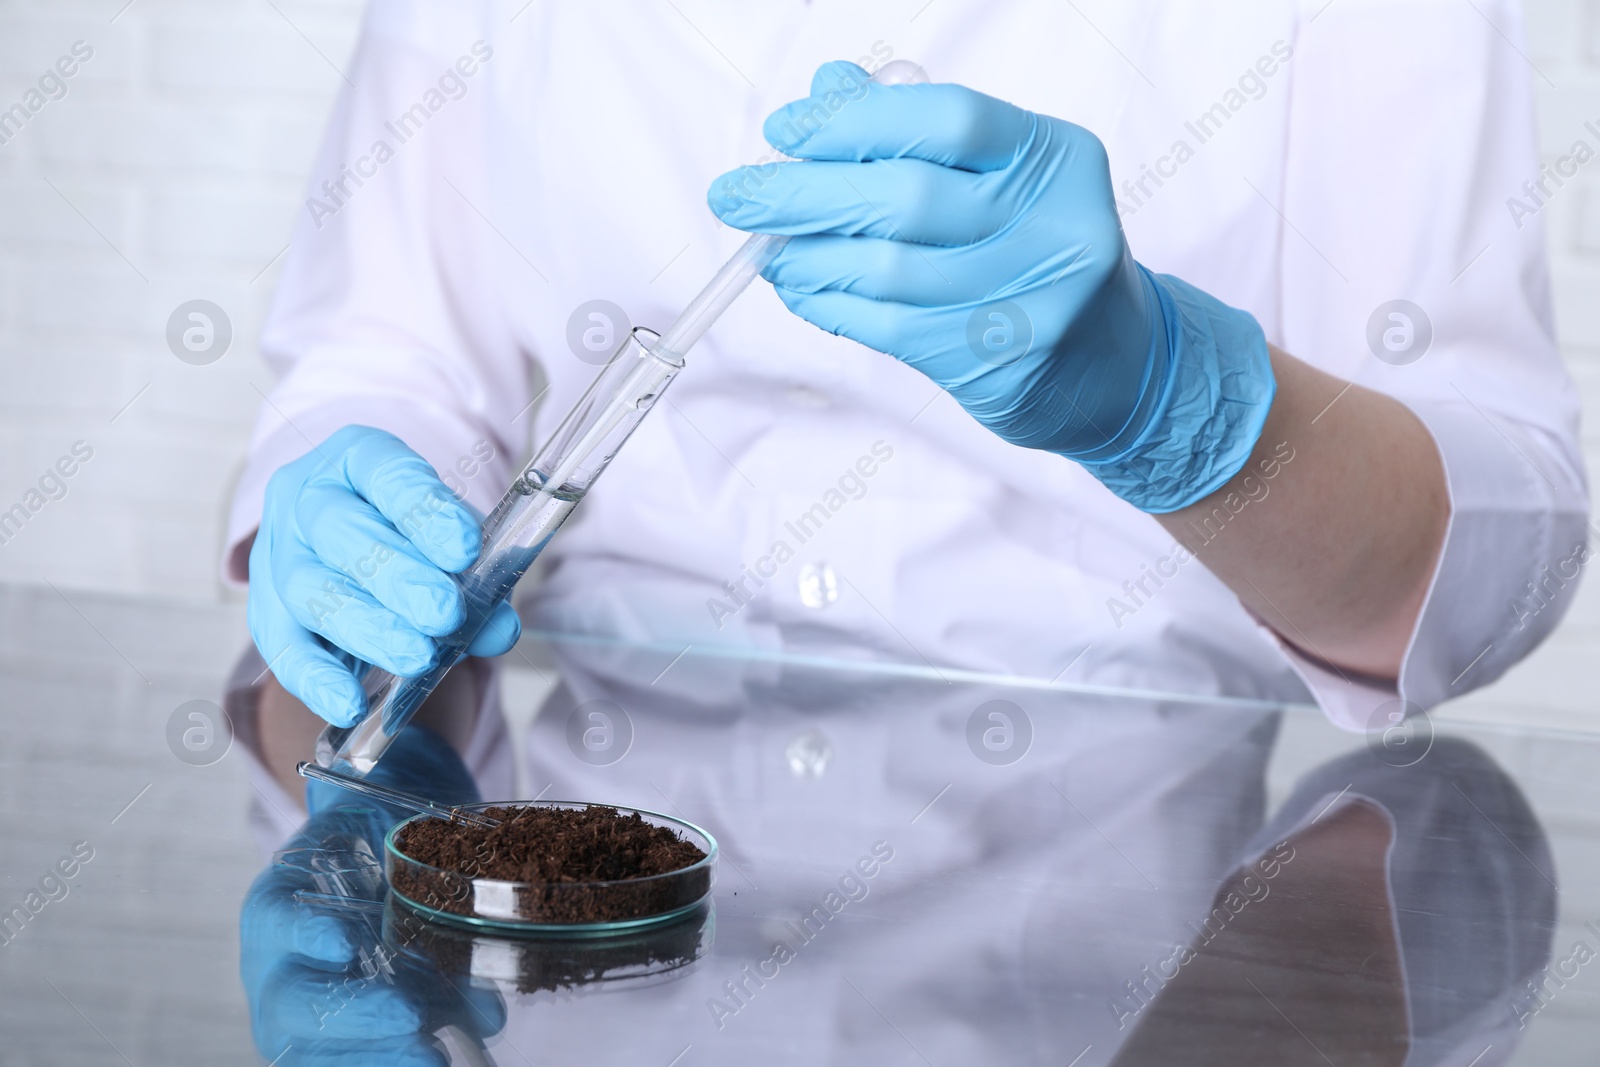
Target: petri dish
531,962
554,907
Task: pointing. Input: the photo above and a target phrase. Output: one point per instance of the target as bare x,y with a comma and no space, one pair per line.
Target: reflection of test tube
539,502
514,533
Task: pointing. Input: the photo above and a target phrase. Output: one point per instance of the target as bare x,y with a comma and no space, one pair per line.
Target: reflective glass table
916,866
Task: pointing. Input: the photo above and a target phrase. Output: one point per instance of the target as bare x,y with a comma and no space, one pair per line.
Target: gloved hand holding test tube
540,500
514,533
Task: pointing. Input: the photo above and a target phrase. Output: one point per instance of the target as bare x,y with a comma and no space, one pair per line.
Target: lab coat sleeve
1410,139
387,313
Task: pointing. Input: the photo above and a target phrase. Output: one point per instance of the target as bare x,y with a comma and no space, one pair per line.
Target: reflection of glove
356,538
320,982
980,244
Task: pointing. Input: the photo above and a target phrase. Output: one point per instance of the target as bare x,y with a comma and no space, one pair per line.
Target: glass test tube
539,502
514,533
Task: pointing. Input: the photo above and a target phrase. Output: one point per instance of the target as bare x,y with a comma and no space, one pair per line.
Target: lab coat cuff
1350,701
443,439
1514,547
275,815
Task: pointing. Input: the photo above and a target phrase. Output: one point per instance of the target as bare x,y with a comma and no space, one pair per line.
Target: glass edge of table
1447,716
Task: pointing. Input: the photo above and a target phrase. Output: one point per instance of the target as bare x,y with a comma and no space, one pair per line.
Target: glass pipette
539,501
397,797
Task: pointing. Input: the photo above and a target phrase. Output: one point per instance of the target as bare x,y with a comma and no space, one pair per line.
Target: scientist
1190,348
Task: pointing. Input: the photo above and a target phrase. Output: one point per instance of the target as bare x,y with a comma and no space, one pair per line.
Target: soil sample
567,865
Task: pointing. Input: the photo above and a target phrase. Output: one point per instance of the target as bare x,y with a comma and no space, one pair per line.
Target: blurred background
170,170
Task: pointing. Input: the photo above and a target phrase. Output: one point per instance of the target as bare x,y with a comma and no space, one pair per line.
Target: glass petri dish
554,907
531,962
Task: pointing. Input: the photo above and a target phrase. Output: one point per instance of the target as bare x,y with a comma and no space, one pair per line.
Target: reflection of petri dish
550,907
532,961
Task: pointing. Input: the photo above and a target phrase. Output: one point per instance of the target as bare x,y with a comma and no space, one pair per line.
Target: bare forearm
1332,530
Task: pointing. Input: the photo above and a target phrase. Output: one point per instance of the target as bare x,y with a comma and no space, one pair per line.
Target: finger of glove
1009,392
326,602
500,632
918,336
840,75
302,665
935,341
897,199
353,537
296,1000
872,267
407,490
950,125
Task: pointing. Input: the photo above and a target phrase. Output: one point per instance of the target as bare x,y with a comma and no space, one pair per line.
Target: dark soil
560,852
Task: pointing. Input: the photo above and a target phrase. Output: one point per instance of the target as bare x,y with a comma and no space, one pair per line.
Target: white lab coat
433,300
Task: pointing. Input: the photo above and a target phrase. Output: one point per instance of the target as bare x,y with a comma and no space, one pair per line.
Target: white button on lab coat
470,197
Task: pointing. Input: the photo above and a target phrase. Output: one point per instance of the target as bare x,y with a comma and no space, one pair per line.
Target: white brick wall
177,158
1555,684
184,142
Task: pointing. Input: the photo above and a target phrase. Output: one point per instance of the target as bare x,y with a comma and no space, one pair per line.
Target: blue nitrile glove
322,986
980,244
356,540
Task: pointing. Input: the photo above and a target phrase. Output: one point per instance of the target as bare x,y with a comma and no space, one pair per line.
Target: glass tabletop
915,866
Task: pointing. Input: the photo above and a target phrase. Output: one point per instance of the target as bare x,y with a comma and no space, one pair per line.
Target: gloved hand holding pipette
364,486
980,243
322,986
358,540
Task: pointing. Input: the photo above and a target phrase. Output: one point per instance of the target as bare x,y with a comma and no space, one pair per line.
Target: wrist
1202,419
1147,303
